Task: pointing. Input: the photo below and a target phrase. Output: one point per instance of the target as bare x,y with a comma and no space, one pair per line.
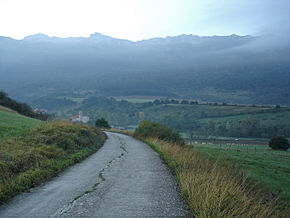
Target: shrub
279,143
102,123
150,129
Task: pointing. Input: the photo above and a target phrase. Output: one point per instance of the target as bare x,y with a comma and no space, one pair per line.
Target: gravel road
125,178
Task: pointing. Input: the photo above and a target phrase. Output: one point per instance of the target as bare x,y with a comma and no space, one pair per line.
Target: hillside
238,69
21,108
33,151
14,124
190,117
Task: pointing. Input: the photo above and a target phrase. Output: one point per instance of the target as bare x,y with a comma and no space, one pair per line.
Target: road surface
125,178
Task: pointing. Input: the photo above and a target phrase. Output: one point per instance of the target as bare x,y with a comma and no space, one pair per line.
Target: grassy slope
213,189
32,153
13,124
269,168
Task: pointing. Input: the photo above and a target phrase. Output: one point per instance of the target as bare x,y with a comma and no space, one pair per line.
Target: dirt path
125,178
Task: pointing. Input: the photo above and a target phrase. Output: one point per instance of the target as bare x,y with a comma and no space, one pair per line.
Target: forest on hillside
191,117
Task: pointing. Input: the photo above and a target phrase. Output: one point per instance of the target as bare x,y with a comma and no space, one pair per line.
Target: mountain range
235,69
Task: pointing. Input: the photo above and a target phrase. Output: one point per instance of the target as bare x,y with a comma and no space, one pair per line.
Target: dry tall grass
212,189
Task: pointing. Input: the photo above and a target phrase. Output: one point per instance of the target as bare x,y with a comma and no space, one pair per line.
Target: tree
157,130
102,123
279,143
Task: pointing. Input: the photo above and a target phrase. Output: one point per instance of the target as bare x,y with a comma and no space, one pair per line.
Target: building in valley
80,118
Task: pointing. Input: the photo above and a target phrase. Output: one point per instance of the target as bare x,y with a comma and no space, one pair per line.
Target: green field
13,124
271,169
280,117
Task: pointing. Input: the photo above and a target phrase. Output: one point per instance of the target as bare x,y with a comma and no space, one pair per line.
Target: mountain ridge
233,68
97,34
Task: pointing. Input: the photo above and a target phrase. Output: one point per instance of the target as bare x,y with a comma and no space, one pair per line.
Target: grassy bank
13,124
214,189
44,151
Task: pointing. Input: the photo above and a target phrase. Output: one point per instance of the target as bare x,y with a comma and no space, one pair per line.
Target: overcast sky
142,19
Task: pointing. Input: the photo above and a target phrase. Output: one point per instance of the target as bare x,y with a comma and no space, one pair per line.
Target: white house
80,118
39,111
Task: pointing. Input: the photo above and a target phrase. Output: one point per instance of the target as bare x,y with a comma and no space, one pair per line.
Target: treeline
191,102
173,101
149,129
21,108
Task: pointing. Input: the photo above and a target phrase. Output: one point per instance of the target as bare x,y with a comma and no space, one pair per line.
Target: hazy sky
140,19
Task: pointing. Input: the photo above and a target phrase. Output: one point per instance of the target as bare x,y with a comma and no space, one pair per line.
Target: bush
102,123
150,129
279,143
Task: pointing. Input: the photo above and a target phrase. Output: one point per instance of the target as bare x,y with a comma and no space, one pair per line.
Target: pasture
268,168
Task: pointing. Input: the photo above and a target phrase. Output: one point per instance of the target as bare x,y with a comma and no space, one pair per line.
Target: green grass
228,180
215,189
271,169
44,151
13,124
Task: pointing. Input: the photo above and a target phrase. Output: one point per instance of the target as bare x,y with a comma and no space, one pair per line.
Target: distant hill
237,69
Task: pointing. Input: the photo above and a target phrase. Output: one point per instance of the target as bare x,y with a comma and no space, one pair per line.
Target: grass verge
213,189
46,150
